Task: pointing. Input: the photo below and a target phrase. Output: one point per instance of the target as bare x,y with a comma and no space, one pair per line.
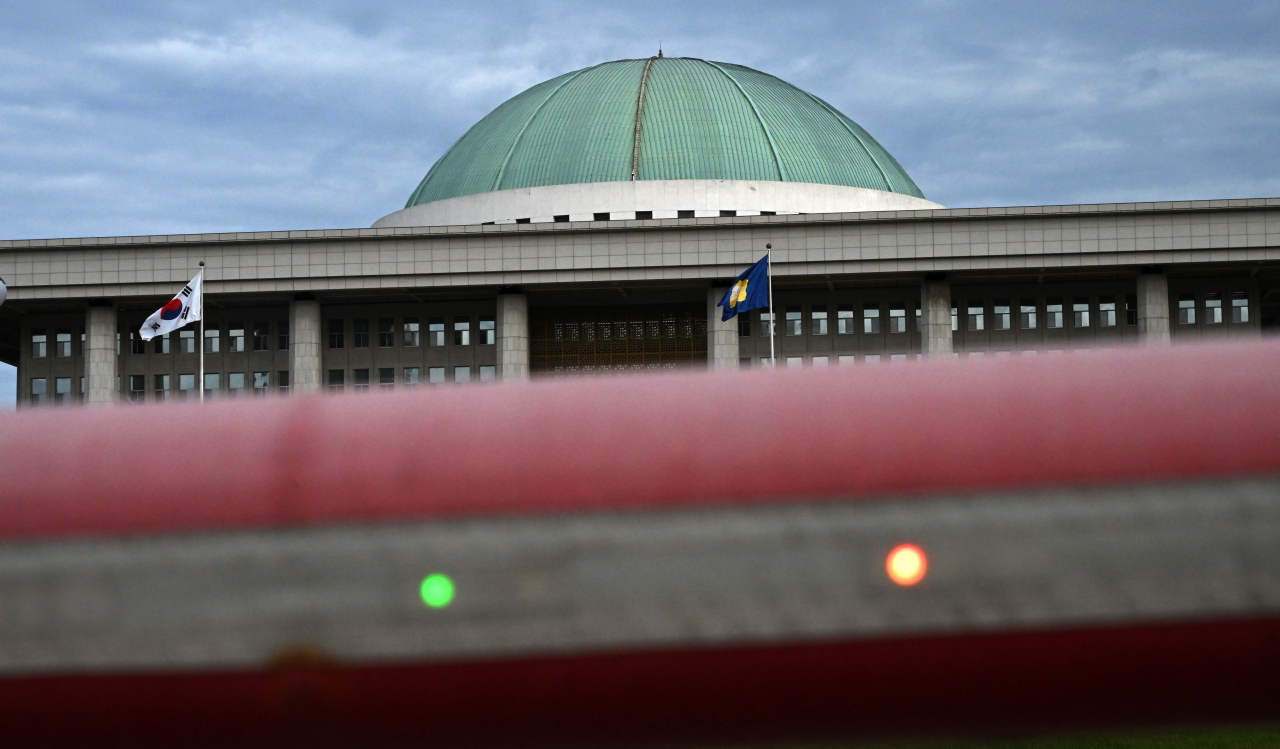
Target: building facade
590,225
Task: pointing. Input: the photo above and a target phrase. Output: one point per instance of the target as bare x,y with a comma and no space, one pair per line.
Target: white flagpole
773,321
200,343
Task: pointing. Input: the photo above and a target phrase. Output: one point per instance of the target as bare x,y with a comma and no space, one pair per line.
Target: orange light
906,564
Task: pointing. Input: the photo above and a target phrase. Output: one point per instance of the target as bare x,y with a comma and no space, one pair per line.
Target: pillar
513,336
304,345
1153,308
935,316
100,377
722,337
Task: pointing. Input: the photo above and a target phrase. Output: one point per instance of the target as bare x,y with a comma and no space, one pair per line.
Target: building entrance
597,340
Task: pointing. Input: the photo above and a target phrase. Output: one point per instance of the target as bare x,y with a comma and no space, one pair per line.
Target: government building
590,224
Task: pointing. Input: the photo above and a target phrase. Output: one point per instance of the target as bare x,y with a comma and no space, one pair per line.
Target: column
1153,307
304,345
722,337
513,336
100,377
935,315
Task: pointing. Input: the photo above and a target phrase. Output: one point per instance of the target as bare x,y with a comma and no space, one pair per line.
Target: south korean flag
187,306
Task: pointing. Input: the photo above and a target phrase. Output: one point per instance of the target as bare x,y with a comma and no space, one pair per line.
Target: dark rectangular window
768,213
600,216
462,331
1080,312
160,391
360,333
435,331
644,215
728,214
684,214
1027,314
187,342
235,337
337,379
411,332
1053,312
976,317
136,344
235,383
282,380
360,379
62,344
282,335
39,347
62,390
386,377
1001,317
844,320
794,325
386,332
1239,306
1186,308
1212,308
336,337
870,318
411,375
561,219
766,324
212,339
39,391
261,336
261,383
744,325
486,331
897,318
818,319
524,221
1131,309
160,344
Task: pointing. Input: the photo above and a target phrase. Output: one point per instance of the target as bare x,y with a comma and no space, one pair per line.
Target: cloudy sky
155,117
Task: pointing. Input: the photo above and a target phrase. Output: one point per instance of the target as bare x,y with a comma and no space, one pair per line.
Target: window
187,343
62,346
435,331
1131,309
1106,312
844,319
918,318
644,215
235,338
82,341
261,336
795,362
562,218
766,324
411,332
435,375
487,331
62,391
386,378
1239,306
897,318
39,348
159,387
235,383
336,334
842,360
1212,308
818,320
684,214
1053,312
870,318
600,217
1080,312
261,383
955,316
1001,318
976,319
793,325
411,375
360,333
462,374
360,379
744,326
871,359
212,339
462,331
136,344
82,390
386,332
488,373
282,380
186,385
897,357
39,391
117,344
337,379
160,344
728,214
820,361
766,362
137,388
212,381
1186,309
282,335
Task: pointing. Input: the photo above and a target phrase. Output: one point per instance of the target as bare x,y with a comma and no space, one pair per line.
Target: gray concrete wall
935,318
905,242
722,337
513,336
1153,308
305,341
100,355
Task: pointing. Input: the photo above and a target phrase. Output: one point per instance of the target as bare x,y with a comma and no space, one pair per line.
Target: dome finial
659,49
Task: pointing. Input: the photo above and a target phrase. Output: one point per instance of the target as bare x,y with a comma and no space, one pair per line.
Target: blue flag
750,292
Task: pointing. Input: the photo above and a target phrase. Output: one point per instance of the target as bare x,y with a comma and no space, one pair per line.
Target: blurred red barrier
645,442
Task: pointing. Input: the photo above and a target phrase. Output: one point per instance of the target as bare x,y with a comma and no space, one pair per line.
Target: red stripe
1020,682
645,442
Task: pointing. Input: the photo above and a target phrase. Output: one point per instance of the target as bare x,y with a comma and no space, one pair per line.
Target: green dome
696,120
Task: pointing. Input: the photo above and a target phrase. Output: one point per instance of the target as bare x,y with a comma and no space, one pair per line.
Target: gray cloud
169,117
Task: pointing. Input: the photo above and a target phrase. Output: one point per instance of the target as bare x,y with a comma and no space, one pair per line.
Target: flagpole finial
201,263
767,247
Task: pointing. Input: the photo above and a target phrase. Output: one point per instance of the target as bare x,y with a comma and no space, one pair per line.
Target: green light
437,590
